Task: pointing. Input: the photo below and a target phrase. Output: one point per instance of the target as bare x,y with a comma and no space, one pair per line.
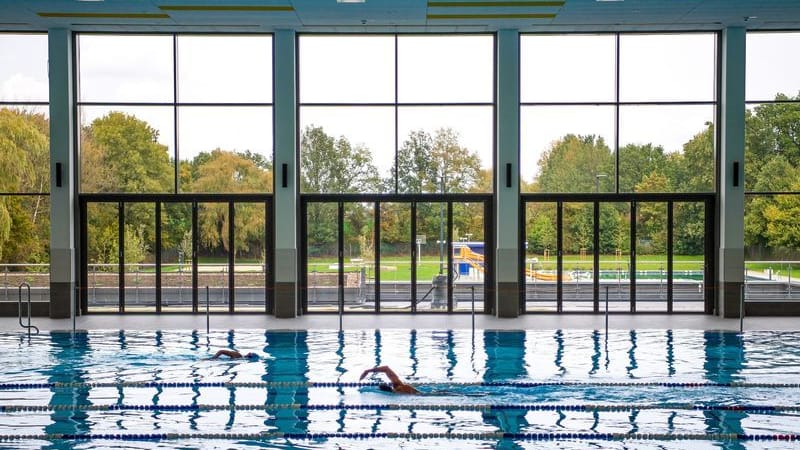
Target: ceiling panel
412,15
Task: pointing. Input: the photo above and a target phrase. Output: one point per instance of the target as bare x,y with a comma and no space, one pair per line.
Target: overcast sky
455,69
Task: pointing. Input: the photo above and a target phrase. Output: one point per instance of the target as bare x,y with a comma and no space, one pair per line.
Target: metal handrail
19,305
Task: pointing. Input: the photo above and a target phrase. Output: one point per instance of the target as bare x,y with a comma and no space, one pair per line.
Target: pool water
563,389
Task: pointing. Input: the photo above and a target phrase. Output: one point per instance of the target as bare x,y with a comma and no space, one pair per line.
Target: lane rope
314,384
720,437
764,409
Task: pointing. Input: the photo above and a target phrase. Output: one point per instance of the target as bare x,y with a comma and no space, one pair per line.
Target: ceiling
397,15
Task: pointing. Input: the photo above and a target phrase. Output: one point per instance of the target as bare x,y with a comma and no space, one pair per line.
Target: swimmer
233,354
397,386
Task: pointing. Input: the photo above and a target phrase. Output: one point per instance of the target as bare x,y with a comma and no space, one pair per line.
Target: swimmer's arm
233,354
386,371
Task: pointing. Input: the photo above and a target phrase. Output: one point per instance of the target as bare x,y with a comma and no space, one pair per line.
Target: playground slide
475,260
545,276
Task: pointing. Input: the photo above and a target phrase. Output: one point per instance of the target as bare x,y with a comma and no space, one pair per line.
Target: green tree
121,153
437,163
335,165
638,161
24,159
573,163
651,224
542,233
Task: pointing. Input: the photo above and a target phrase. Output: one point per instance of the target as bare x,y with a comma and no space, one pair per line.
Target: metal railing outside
775,281
36,275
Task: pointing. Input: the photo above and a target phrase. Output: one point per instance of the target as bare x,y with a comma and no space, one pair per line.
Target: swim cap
385,387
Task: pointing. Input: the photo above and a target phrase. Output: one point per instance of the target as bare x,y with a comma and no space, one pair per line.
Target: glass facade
397,132
772,168
180,113
400,113
617,113
25,166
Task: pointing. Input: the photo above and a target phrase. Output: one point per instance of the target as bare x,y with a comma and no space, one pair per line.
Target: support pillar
62,198
731,174
507,175
286,191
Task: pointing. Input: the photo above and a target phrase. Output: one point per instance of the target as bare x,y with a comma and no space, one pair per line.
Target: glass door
433,269
213,251
395,255
541,252
176,256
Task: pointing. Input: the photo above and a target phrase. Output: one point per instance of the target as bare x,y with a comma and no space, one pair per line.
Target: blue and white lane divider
313,384
718,437
485,407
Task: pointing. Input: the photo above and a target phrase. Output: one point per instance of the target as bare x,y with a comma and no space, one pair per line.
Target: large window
24,165
617,113
772,167
175,113
172,114
396,113
617,117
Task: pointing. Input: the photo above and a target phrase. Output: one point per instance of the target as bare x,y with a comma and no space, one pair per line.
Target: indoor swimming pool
565,389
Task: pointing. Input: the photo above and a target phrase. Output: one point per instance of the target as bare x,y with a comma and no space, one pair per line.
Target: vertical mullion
710,257
377,256
270,256
121,254
449,240
488,257
231,257
559,256
340,232
596,258
84,291
616,114
396,126
195,229
303,256
414,256
176,181
158,256
523,279
670,220
632,270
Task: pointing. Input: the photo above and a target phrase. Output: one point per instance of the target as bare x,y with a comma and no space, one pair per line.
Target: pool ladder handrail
19,309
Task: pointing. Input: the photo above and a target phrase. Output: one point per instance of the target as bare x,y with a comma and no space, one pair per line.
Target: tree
24,152
783,229
121,153
638,161
226,171
573,163
436,163
334,165
541,228
651,229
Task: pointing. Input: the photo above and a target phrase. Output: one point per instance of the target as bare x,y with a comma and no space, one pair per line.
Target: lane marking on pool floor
484,407
313,384
719,437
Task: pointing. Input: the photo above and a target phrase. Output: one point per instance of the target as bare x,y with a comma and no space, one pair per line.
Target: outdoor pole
208,318
441,231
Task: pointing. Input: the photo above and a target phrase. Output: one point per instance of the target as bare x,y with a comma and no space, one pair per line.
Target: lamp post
597,181
441,226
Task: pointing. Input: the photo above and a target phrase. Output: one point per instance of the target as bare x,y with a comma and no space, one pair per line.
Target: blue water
435,361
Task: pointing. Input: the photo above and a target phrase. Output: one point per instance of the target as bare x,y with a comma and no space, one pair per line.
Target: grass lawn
399,269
